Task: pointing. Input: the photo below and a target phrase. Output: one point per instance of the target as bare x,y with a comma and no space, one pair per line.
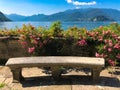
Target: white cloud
84,3
69,1
81,3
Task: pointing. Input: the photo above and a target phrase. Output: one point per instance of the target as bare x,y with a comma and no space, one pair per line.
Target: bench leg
56,72
17,75
96,75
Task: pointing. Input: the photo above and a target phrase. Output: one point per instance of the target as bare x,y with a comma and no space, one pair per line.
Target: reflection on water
65,25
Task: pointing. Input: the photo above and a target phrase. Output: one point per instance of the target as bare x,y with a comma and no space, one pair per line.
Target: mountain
3,17
87,14
34,17
15,17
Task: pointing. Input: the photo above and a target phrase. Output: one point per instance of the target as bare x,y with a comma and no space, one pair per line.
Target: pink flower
32,36
99,55
110,44
104,56
31,50
100,38
23,43
103,32
22,37
105,47
41,45
82,42
110,41
35,42
111,62
106,41
92,34
101,27
109,49
116,46
114,36
108,32
118,56
96,33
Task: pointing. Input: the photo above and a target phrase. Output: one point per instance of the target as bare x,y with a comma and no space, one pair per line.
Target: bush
54,41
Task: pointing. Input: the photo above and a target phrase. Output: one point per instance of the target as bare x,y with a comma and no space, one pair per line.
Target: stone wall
10,47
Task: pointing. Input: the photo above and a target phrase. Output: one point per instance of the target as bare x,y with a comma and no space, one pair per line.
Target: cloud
69,1
81,3
84,3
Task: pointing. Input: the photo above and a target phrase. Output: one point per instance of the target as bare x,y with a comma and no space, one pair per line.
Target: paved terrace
36,80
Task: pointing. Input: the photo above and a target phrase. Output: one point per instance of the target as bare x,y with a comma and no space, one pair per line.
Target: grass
2,85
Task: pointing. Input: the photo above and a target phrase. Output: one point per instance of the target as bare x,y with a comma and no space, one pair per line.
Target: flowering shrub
107,42
109,46
32,39
103,42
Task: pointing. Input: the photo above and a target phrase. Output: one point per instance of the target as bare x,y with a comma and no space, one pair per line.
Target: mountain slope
87,14
38,17
3,17
16,17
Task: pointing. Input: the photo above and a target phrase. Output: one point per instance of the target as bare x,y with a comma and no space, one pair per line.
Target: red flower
118,56
109,49
31,50
111,62
114,36
116,46
110,44
108,32
35,42
100,38
110,41
106,41
23,43
82,42
41,45
99,55
105,47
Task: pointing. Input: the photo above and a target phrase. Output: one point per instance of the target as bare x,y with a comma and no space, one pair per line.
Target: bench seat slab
55,62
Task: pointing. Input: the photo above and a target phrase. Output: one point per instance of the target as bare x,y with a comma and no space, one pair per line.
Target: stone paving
36,80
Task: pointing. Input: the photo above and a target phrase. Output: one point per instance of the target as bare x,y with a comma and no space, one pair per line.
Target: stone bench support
17,74
55,62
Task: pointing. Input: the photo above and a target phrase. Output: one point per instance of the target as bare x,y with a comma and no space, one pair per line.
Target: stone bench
55,62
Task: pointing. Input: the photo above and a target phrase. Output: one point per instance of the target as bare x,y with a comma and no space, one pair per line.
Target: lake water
65,25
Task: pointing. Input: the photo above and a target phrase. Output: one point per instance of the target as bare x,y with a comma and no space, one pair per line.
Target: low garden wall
10,47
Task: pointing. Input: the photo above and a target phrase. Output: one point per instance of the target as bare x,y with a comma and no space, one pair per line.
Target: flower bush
109,46
102,42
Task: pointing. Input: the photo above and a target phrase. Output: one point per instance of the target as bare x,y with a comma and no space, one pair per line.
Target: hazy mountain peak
82,14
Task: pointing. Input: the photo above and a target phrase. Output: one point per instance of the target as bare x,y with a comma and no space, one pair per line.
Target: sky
47,7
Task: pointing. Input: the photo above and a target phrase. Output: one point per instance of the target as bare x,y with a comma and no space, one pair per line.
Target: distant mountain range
87,14
3,17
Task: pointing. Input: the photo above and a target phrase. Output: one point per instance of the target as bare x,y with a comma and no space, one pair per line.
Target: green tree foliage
3,18
56,29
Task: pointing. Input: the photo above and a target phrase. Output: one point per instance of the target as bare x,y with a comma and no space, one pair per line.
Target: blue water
65,25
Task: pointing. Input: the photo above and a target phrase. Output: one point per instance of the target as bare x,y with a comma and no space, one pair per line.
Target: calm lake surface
65,25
